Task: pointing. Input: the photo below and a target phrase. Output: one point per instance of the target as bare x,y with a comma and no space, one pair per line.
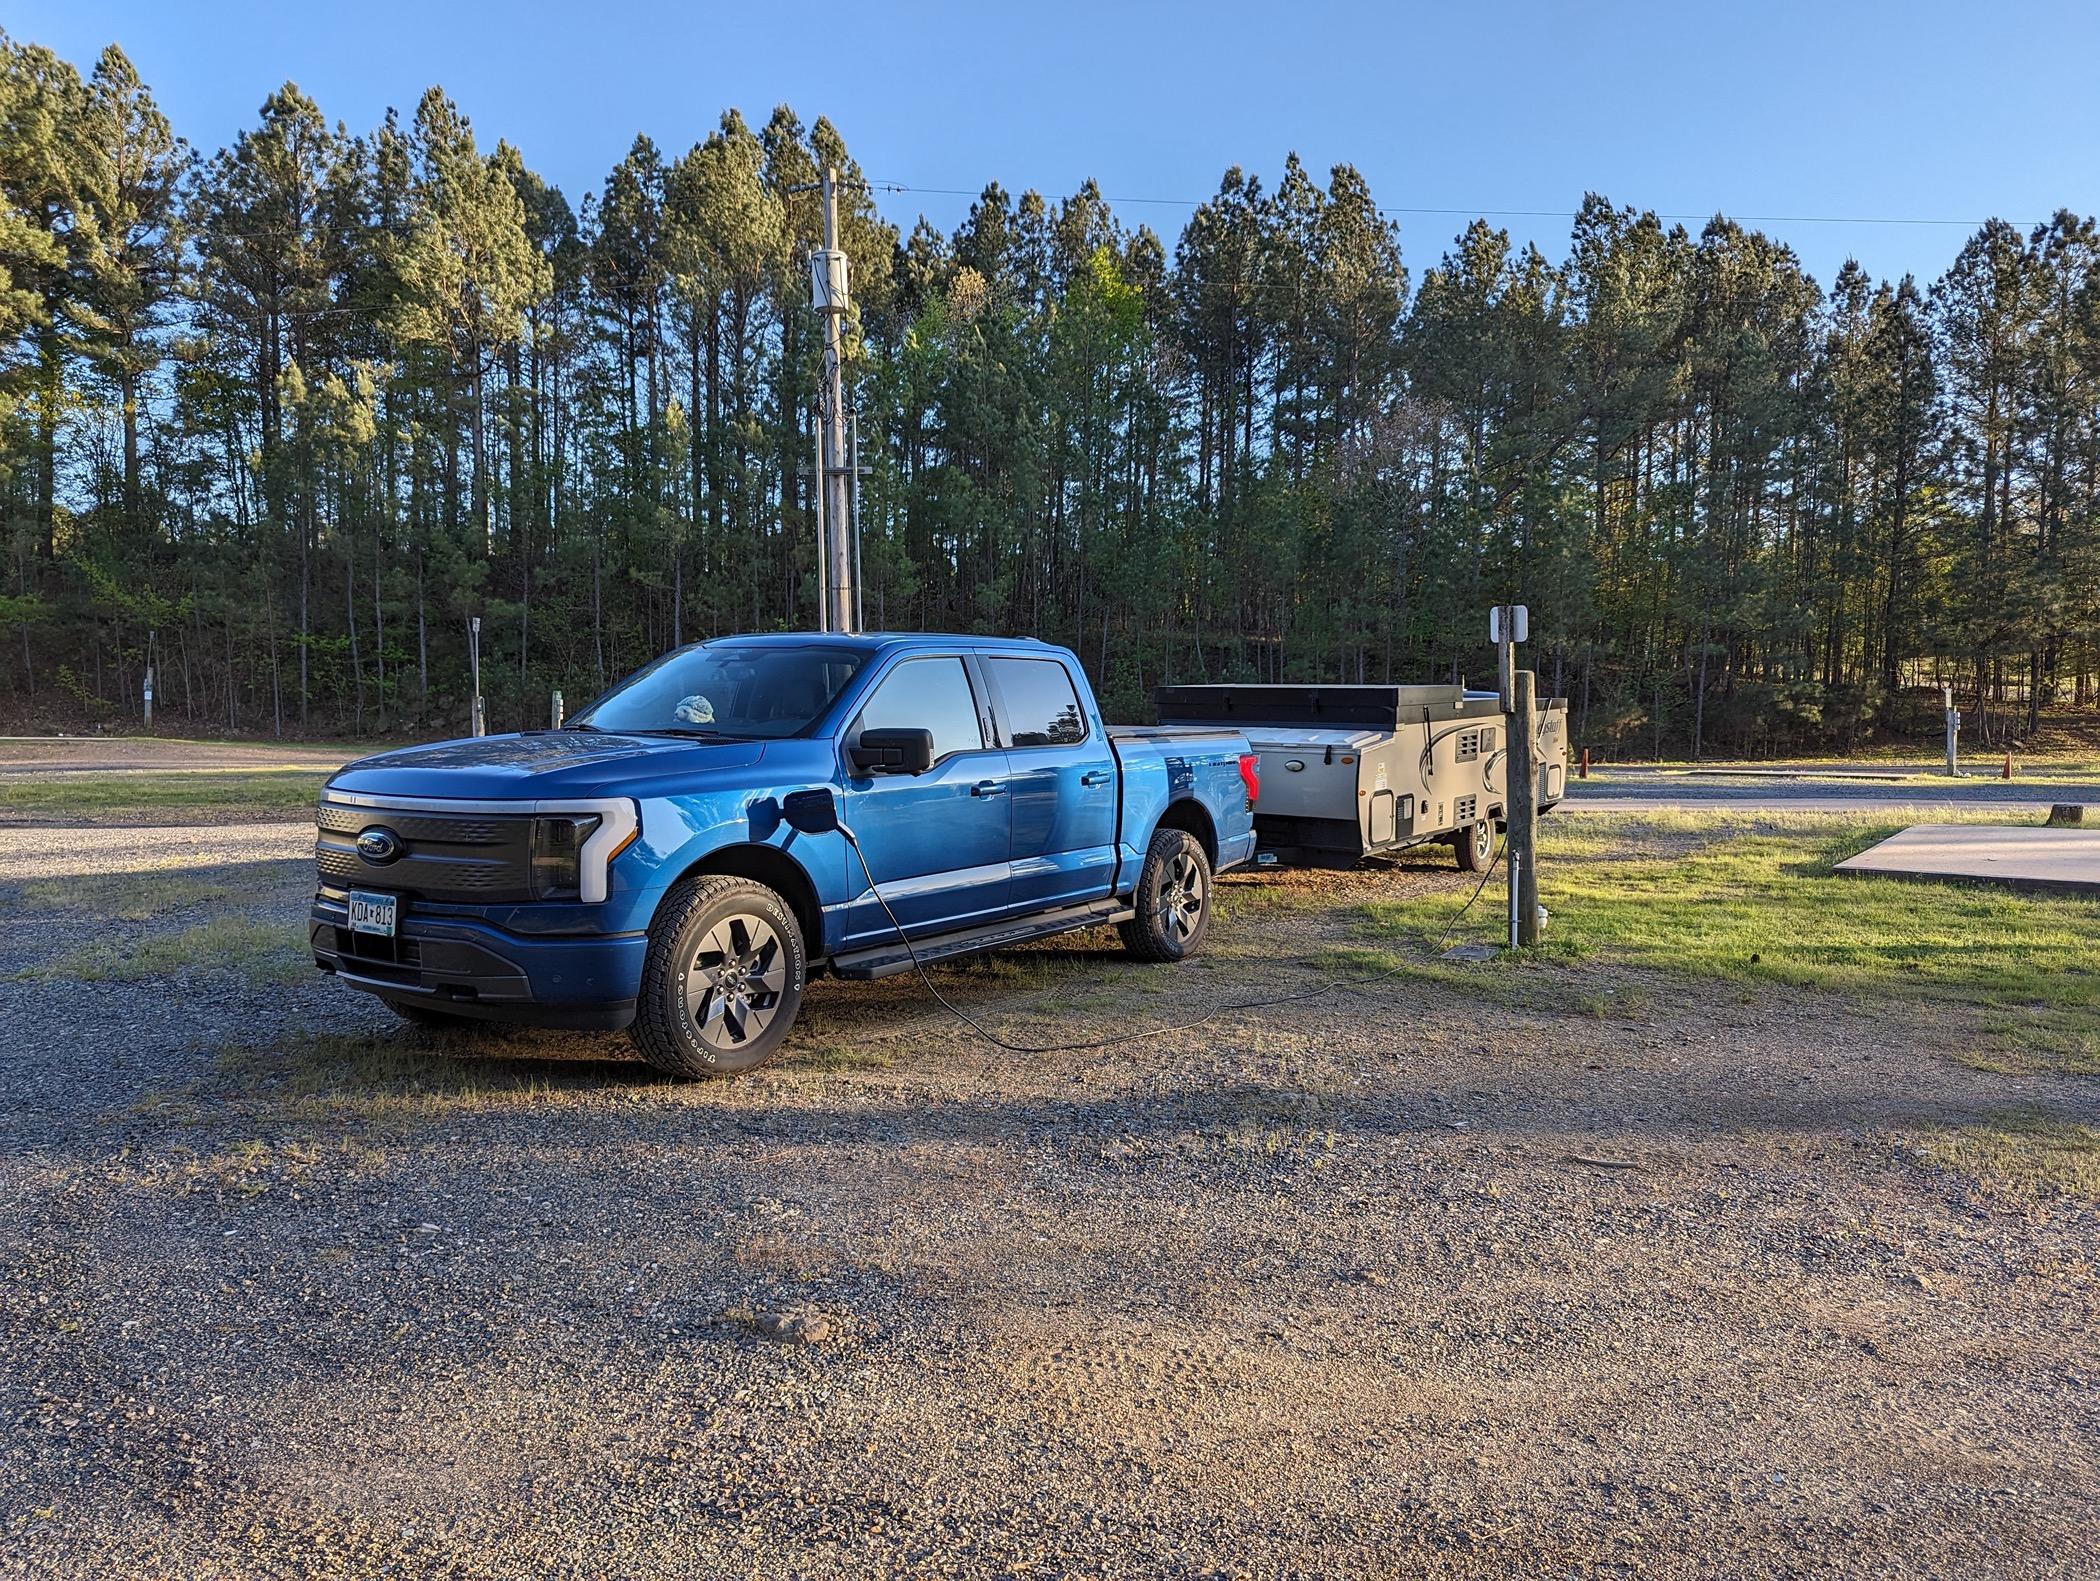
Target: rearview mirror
893,751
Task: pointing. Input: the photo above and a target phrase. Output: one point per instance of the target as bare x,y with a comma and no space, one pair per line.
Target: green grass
2019,1152
834,1057
1753,902
414,1075
121,897
266,953
138,793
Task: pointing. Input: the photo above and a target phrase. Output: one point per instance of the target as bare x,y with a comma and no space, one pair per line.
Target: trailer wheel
1476,847
722,982
1172,899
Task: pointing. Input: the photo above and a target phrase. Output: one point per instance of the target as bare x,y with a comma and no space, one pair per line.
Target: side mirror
893,751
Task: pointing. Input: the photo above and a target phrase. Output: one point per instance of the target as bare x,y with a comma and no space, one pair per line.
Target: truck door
936,842
1064,778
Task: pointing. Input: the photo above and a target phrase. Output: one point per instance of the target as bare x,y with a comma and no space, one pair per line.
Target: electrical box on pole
827,280
1508,625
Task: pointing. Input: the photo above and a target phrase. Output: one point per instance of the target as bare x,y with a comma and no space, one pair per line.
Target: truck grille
466,857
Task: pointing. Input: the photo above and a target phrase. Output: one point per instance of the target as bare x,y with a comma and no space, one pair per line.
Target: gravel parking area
1469,1272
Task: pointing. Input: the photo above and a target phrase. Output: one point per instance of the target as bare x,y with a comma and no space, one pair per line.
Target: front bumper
468,968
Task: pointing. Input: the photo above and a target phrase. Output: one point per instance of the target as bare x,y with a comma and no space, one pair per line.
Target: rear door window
1041,709
927,694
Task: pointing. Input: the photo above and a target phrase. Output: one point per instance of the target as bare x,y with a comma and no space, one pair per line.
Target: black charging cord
1331,986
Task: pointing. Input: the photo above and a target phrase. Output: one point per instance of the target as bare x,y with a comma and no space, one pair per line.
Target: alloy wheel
733,988
1181,898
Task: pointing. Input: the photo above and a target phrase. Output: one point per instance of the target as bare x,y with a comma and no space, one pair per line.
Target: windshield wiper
690,732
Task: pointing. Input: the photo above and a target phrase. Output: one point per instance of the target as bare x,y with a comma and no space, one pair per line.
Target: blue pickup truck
682,855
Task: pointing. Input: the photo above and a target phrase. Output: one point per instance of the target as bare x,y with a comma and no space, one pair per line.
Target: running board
881,960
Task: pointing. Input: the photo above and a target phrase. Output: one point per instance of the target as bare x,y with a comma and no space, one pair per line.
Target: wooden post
1522,805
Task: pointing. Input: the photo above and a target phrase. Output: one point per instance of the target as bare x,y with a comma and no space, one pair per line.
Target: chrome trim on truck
619,820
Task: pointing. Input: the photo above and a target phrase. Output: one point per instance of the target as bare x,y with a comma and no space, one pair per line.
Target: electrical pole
1522,809
1508,625
474,671
829,287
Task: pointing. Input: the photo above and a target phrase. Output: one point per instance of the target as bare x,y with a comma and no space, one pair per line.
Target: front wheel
722,982
1476,847
1172,899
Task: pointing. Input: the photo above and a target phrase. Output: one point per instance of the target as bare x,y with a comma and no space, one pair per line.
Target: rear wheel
1173,899
722,982
1476,847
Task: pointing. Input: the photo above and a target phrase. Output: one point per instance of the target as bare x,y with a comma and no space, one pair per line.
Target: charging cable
1333,985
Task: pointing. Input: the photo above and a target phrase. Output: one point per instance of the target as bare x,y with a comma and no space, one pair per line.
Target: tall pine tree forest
279,418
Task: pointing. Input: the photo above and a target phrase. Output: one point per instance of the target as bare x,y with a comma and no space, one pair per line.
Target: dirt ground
1526,1272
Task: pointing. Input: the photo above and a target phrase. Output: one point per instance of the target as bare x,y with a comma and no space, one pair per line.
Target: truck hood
540,765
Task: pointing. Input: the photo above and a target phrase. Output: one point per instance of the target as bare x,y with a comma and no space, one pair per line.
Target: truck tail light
555,870
1250,776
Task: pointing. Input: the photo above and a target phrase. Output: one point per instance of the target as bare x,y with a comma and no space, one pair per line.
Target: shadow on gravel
410,1075
409,1072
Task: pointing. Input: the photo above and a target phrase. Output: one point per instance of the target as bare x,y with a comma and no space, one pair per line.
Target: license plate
370,913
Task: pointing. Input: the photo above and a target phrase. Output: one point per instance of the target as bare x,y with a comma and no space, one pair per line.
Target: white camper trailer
1352,771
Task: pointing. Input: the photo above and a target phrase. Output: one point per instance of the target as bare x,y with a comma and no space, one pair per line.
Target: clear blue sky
1866,110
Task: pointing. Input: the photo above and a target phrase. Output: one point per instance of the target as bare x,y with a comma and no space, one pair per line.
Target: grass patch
836,1057
140,793
254,1167
418,1075
263,952
2019,1152
121,897
1752,900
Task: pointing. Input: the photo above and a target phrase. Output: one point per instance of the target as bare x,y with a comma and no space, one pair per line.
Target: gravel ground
1434,1277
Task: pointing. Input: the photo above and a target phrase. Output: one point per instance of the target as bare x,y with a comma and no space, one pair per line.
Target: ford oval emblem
1296,765
378,846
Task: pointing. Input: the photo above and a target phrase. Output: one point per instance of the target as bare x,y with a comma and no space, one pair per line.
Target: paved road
1637,790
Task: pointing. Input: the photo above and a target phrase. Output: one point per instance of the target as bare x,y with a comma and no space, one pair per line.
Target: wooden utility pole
1522,811
480,723
829,287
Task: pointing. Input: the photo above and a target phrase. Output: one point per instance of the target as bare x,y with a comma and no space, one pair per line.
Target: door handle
988,788
1094,777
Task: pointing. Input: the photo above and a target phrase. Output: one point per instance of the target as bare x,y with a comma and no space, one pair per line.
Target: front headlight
573,845
555,868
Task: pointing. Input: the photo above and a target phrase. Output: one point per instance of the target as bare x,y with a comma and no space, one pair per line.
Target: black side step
880,960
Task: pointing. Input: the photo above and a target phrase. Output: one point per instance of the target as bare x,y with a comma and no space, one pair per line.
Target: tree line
278,420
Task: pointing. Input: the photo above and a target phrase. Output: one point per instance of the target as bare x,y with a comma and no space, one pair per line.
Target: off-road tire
1475,847
1174,898
707,927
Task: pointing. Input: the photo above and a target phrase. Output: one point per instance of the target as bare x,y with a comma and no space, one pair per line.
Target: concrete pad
2025,858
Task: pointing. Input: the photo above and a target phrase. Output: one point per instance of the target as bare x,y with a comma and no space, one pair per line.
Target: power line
1513,214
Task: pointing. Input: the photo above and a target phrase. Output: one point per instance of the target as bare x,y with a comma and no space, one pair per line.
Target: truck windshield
728,690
